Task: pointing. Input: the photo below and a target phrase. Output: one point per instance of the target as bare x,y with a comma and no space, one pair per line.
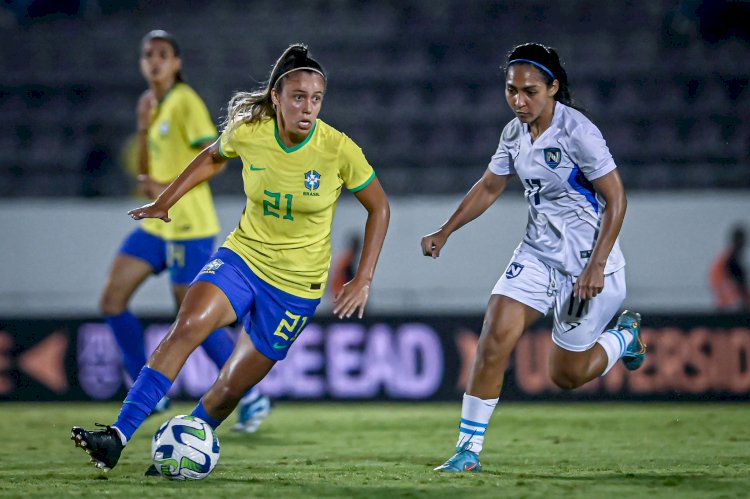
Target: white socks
475,416
614,342
121,435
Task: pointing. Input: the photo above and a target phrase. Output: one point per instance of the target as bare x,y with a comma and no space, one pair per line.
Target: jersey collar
298,146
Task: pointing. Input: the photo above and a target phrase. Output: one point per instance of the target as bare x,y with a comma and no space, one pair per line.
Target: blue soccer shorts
273,318
183,259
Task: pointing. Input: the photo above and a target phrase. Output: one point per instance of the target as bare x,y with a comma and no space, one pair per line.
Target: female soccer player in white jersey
271,271
569,259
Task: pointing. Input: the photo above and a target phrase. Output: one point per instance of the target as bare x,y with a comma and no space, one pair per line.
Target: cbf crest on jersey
552,156
312,180
514,269
212,266
164,128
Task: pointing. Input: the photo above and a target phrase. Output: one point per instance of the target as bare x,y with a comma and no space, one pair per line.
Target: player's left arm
591,281
353,296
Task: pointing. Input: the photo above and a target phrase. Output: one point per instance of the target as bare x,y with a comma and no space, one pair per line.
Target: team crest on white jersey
164,128
312,180
212,266
514,269
552,156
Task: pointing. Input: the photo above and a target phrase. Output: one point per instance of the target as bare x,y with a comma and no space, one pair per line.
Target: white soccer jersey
556,171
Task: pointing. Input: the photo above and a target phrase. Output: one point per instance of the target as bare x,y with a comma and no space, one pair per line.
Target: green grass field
388,450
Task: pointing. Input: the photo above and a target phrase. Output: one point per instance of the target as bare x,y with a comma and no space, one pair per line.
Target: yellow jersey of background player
181,123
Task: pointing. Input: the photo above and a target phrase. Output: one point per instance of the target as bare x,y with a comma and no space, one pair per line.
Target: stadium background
417,84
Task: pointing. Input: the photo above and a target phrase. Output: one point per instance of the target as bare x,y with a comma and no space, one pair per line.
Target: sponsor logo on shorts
212,266
552,156
569,326
514,269
279,346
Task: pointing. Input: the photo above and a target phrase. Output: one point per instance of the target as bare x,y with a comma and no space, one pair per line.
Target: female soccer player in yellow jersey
173,125
271,271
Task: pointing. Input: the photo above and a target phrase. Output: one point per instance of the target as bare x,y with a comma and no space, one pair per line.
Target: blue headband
540,66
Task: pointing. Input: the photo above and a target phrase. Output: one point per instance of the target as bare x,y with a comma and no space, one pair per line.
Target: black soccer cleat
104,446
152,471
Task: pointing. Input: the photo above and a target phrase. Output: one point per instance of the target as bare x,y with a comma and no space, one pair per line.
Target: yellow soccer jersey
181,123
284,234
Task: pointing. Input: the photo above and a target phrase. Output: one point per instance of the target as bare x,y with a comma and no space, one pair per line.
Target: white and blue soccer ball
185,448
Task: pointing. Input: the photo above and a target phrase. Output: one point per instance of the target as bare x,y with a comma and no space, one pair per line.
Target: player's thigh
206,307
579,323
126,274
505,321
185,259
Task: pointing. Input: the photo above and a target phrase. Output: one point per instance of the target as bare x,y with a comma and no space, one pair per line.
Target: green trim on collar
298,146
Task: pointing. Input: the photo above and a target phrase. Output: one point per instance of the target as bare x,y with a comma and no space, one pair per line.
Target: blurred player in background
344,266
271,271
728,276
173,125
569,260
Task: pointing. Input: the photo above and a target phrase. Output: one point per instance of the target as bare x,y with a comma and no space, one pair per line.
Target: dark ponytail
547,61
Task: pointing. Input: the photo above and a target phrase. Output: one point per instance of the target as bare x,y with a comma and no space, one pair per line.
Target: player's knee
491,352
192,328
111,303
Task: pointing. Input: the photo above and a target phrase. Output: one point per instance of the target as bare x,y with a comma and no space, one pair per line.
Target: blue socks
128,332
200,412
147,391
218,346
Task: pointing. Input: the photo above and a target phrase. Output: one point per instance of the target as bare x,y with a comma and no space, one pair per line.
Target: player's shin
145,393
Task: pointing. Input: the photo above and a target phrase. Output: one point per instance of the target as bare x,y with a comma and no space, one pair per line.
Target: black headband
296,60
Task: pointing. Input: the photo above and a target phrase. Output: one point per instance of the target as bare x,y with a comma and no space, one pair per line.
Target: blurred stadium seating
416,83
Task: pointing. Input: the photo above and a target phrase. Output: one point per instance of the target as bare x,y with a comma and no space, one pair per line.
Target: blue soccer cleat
252,414
635,354
462,460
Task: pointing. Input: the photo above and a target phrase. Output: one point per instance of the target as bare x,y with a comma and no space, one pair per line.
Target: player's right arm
206,164
477,200
144,114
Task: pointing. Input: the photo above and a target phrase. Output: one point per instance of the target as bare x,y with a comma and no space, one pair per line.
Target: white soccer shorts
577,324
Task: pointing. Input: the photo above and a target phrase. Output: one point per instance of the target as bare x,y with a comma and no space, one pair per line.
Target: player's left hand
150,210
589,284
352,298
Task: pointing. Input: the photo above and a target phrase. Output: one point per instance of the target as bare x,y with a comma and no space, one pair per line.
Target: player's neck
542,123
161,89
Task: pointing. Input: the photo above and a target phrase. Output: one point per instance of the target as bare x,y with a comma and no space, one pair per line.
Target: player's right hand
144,111
433,243
150,210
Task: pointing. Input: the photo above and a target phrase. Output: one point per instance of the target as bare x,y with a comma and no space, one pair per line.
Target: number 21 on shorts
290,326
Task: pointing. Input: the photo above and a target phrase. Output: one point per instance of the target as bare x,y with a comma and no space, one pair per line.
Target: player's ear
553,88
274,97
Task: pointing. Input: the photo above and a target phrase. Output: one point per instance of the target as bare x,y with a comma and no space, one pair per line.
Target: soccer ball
185,448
